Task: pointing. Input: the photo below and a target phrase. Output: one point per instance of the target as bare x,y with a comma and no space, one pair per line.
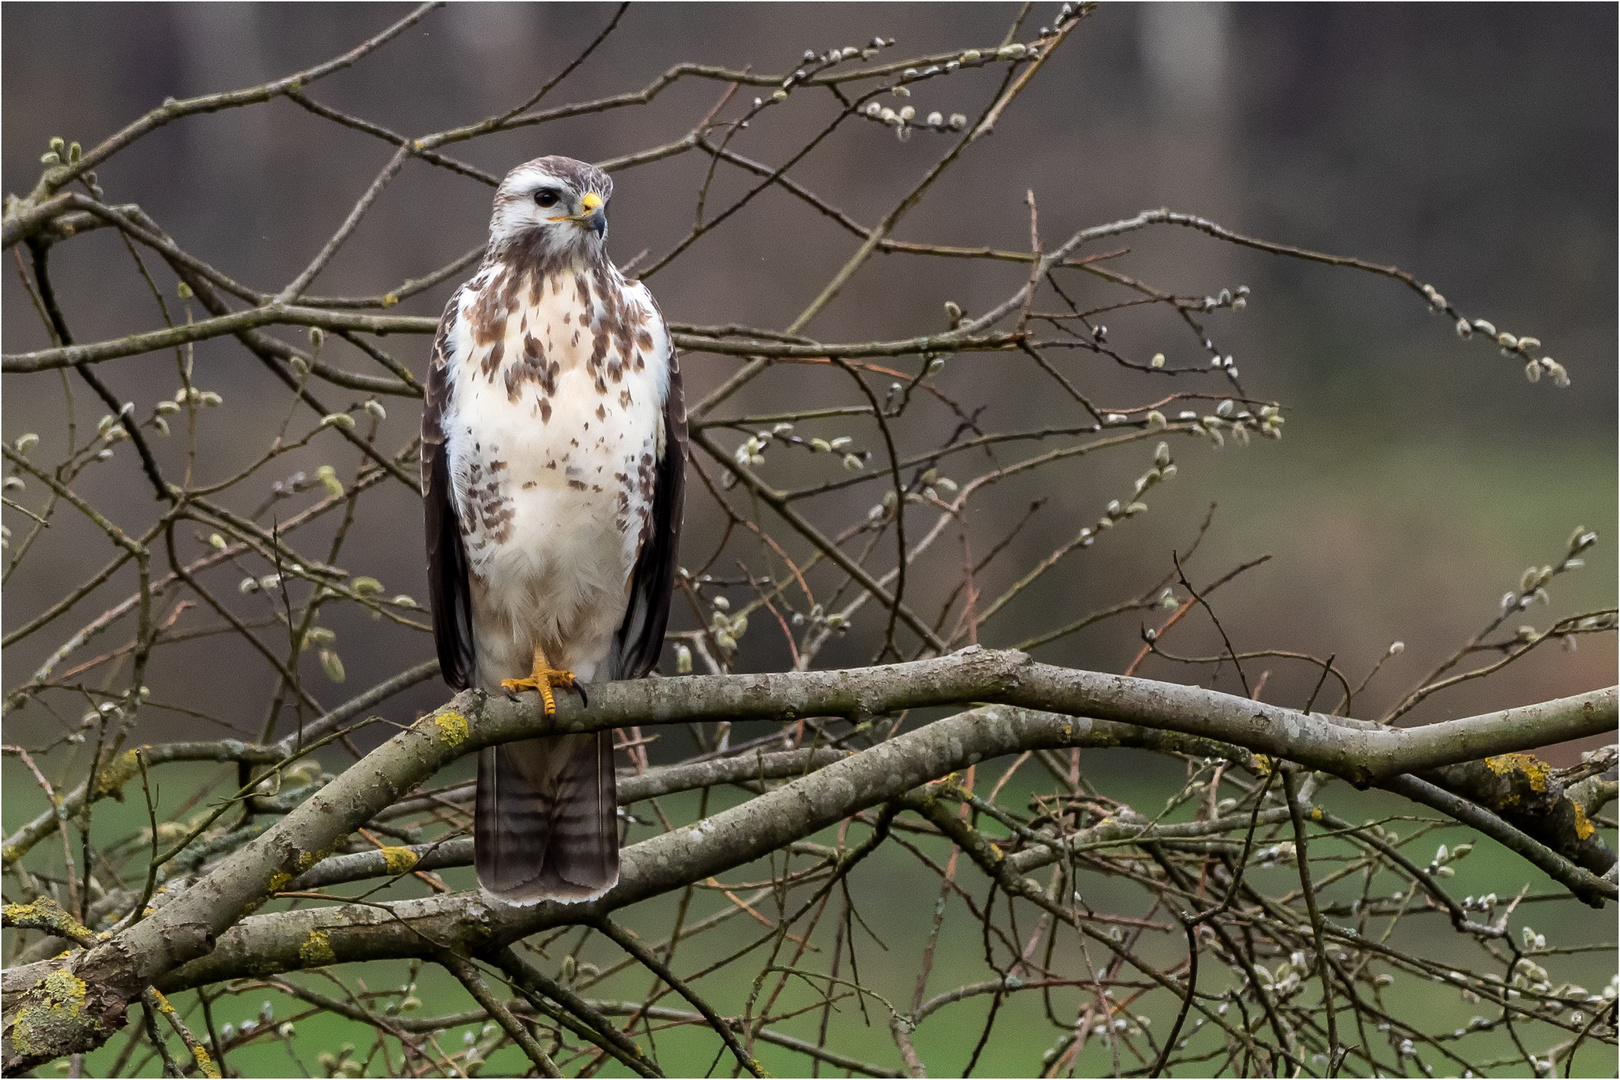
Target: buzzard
553,443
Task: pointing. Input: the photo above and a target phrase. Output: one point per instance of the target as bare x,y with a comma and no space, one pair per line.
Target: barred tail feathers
546,819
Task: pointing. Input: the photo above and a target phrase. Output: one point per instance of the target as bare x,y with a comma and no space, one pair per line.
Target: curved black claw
584,699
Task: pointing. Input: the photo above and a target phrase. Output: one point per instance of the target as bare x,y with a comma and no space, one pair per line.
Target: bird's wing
640,638
446,553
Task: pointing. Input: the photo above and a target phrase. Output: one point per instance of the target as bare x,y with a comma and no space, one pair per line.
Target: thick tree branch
762,824
171,947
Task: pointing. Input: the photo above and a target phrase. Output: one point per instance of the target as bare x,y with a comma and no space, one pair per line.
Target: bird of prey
553,444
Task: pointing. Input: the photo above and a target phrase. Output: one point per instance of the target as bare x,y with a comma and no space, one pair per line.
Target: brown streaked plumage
553,446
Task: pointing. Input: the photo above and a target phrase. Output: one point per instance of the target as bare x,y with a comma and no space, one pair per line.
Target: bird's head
552,207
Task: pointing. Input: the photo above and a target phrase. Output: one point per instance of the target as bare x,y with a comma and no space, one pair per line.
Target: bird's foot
542,678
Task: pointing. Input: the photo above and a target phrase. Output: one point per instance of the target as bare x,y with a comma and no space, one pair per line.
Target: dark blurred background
1420,474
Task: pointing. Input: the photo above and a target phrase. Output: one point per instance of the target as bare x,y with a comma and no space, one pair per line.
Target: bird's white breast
554,430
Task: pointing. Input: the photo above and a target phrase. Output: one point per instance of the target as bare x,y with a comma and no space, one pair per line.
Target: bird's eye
546,197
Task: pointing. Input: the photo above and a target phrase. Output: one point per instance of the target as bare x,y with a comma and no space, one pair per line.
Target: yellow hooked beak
592,214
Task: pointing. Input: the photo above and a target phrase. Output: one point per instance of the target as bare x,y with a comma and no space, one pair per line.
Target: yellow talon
542,678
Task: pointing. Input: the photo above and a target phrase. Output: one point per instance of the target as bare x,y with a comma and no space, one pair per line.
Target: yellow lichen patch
38,909
316,951
308,859
205,1064
278,880
162,1002
1583,826
1536,773
452,727
56,1002
119,771
67,988
398,860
